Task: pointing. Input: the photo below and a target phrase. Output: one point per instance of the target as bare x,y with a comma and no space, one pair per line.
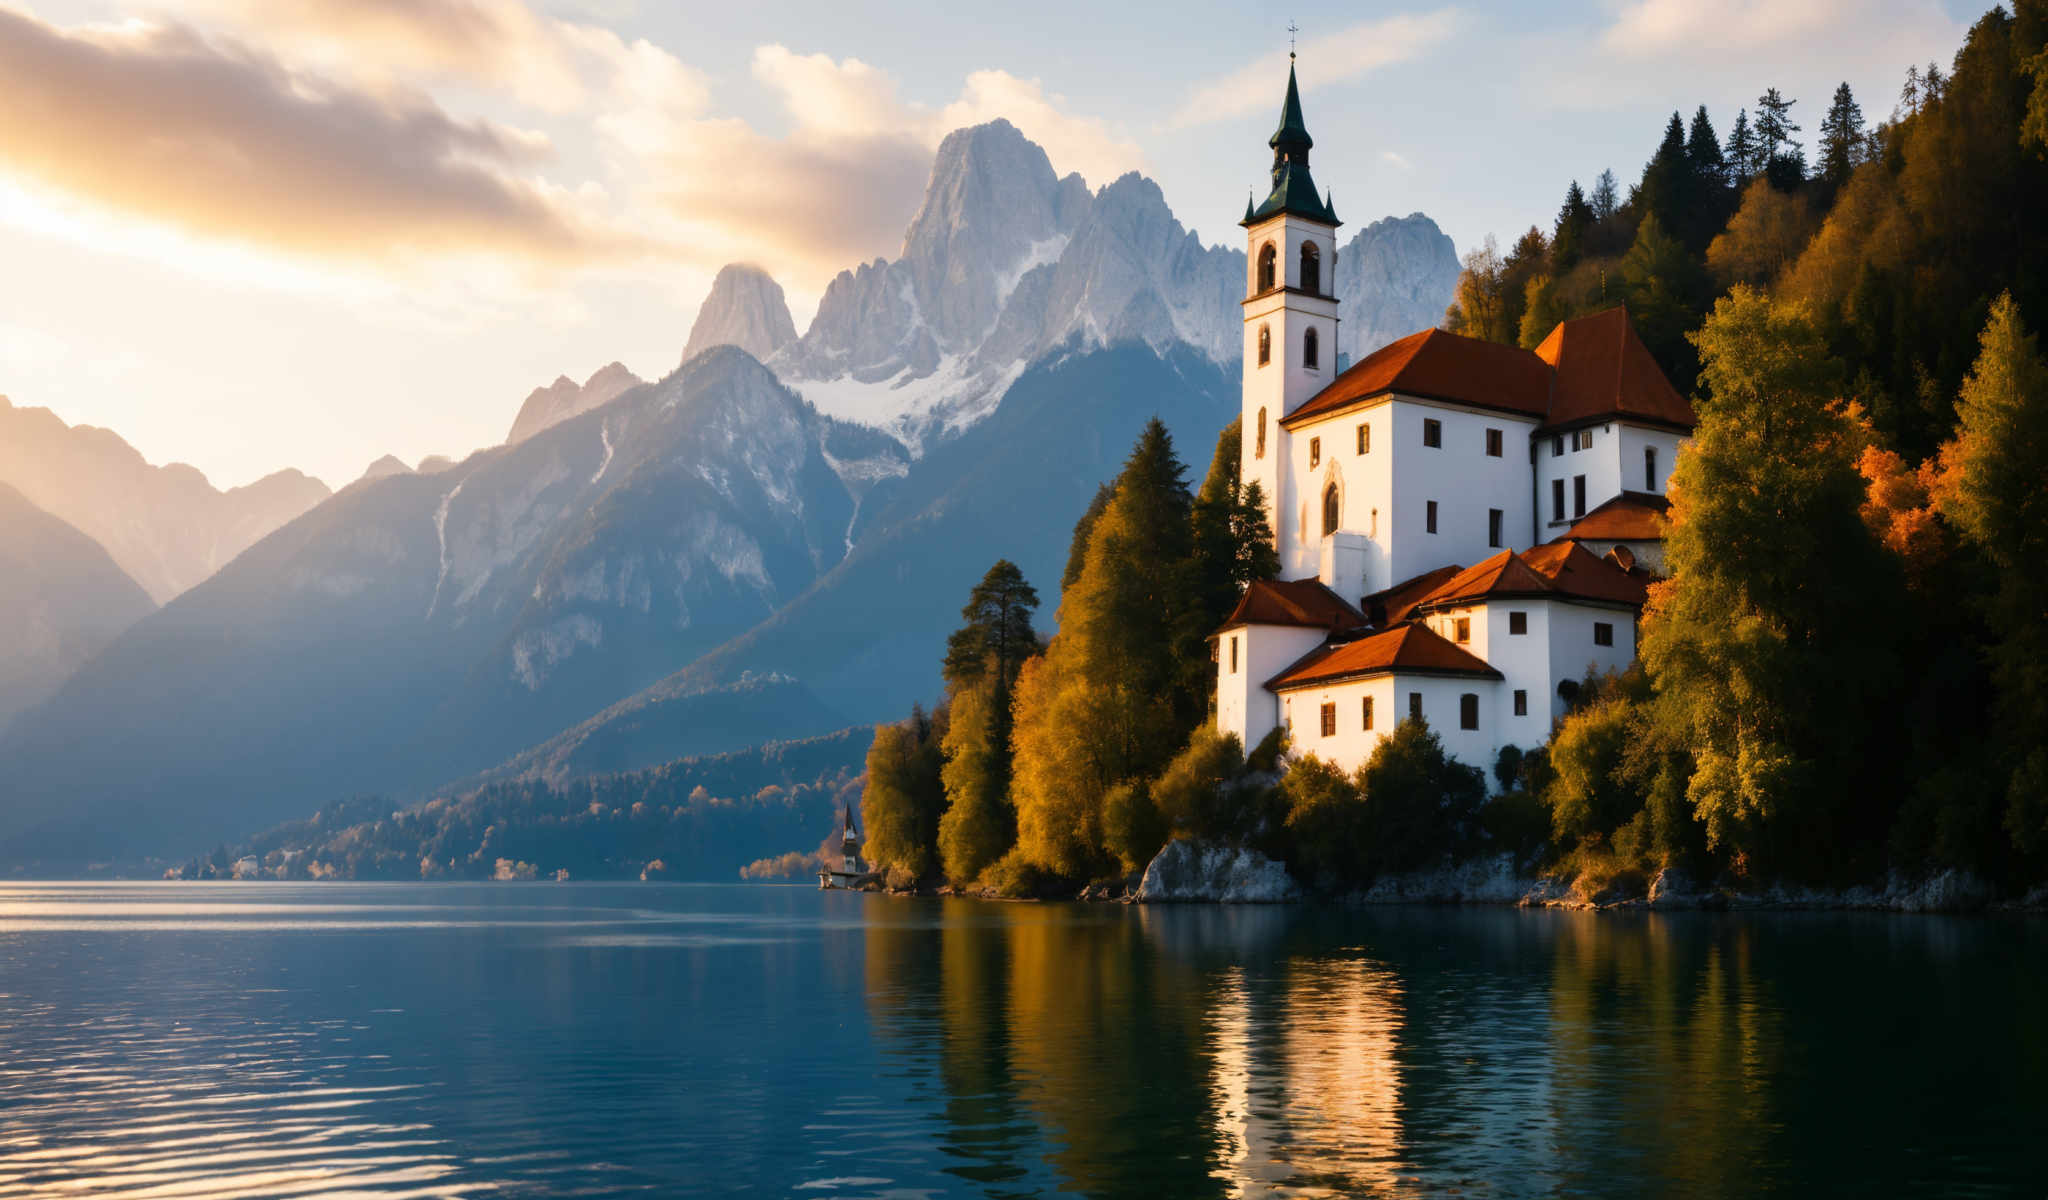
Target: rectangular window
1557,446
1557,499
1462,629
1493,443
1233,654
1432,432
1521,703
1518,622
1603,634
1649,468
1578,496
1368,712
1329,720
1415,706
1468,711
1429,517
1365,439
1582,440
1315,451
1494,517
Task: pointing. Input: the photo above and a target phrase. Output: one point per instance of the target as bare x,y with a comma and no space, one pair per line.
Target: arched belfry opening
1269,262
1311,269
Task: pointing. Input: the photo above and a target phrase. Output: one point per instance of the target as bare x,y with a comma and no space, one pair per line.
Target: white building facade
1464,529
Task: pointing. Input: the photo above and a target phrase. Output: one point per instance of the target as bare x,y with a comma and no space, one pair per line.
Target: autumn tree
904,796
1778,687
1994,494
1766,235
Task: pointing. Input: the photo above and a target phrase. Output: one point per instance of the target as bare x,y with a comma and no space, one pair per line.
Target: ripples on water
189,1040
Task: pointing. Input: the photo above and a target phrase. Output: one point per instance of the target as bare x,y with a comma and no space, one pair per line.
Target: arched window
1311,269
1269,259
1308,349
1330,505
1259,450
1265,345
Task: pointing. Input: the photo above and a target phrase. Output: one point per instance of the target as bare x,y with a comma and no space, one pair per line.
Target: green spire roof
1294,192
1293,131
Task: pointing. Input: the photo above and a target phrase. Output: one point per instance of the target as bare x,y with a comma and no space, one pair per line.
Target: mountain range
770,542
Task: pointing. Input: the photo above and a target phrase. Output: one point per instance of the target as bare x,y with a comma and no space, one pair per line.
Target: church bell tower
1290,322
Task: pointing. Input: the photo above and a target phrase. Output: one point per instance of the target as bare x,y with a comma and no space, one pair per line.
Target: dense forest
695,818
1845,673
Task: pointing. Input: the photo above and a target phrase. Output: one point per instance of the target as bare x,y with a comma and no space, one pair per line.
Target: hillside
61,600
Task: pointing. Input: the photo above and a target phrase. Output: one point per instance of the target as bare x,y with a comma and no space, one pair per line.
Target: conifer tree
1667,187
1606,198
1574,222
1994,495
1774,127
997,636
1841,137
1741,150
1703,151
1077,547
1251,534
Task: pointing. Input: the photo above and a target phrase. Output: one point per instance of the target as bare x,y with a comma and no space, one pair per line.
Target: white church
1462,526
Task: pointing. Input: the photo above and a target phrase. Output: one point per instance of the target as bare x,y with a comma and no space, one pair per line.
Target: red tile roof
1562,569
1440,366
1589,369
1604,370
1579,573
1303,602
1392,606
1408,649
1629,517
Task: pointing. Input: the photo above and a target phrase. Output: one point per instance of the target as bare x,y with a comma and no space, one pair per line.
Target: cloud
217,139
1333,58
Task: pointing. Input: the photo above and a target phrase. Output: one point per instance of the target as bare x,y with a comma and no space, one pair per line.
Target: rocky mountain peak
562,399
745,309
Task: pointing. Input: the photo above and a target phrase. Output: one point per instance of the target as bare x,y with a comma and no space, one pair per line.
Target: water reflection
596,1039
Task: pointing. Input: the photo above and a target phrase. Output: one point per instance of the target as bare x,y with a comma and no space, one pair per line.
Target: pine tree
1606,196
1574,222
1993,494
1841,137
1077,548
1668,189
1741,151
997,636
1909,95
1252,536
1774,126
1703,151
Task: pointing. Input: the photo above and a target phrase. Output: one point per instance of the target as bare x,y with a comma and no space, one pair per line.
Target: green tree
1669,187
1703,151
978,826
901,804
1780,691
1994,494
1662,282
997,636
1741,153
1574,223
1774,126
1542,308
1201,793
1606,198
1841,137
1421,805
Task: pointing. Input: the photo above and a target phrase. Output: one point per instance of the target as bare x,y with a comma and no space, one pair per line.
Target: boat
852,874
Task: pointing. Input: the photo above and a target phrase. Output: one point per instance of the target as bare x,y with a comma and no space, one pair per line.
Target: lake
601,1039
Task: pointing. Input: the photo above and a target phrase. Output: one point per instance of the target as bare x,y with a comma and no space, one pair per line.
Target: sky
256,234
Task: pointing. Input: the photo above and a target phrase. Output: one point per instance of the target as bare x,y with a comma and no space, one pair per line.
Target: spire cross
1292,29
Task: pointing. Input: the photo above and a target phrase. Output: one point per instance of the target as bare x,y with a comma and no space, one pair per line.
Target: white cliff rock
549,406
745,309
1395,277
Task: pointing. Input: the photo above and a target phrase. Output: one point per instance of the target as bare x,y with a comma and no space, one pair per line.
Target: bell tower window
1265,345
1308,348
1269,260
1259,448
1311,269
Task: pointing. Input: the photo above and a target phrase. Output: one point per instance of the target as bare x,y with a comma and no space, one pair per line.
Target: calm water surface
177,1040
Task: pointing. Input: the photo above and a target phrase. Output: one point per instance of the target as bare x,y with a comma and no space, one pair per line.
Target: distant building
1544,470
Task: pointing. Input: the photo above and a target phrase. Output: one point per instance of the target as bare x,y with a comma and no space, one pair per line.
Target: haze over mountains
167,527
736,553
62,599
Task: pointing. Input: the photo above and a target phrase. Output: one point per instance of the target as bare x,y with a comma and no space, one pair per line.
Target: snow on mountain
745,309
